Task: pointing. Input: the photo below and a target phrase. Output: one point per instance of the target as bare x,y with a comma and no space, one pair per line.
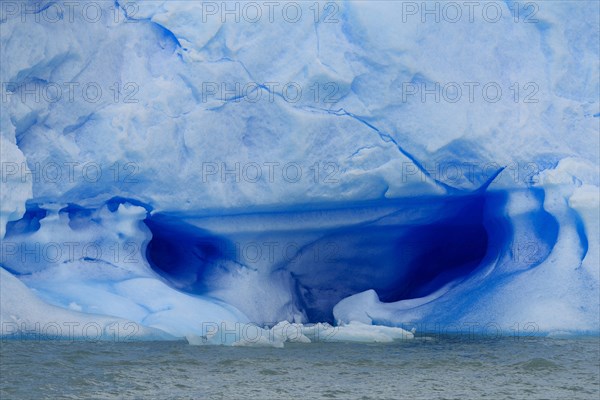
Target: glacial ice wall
174,163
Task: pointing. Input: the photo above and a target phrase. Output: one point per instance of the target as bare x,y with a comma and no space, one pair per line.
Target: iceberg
369,167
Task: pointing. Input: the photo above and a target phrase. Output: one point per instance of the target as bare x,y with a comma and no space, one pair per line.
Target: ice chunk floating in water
221,176
237,334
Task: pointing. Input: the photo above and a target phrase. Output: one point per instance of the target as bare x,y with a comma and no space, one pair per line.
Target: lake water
423,368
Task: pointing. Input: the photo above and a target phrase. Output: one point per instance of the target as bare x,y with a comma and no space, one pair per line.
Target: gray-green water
442,368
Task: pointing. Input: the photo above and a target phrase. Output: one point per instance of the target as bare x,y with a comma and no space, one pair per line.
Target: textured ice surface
155,191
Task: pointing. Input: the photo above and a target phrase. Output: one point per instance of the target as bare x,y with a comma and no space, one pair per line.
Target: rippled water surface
441,367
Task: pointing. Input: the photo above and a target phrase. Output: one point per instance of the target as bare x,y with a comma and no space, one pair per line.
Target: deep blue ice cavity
29,223
409,253
181,253
402,248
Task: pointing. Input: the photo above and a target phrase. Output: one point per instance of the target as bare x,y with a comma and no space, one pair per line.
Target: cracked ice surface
399,241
